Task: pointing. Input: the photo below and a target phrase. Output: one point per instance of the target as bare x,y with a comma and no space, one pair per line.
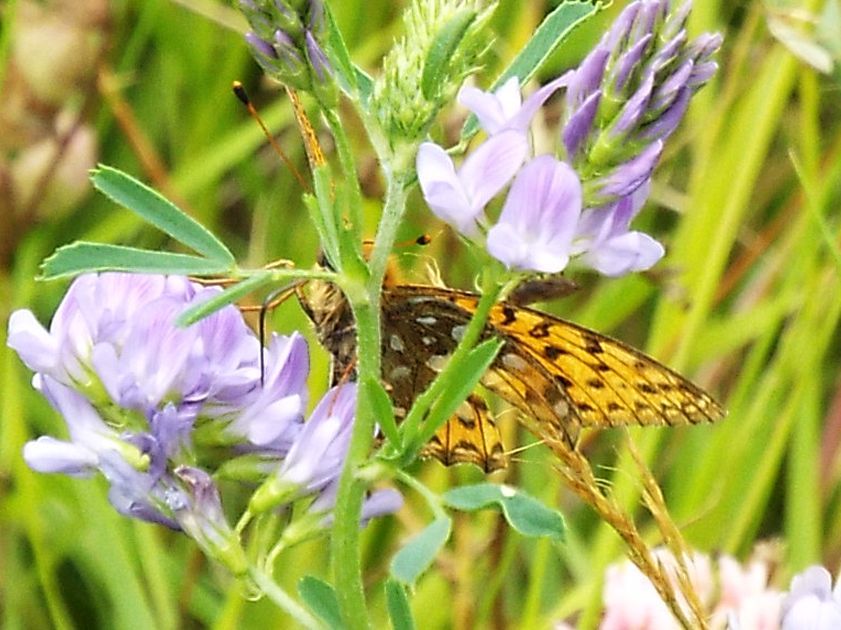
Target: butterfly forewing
560,374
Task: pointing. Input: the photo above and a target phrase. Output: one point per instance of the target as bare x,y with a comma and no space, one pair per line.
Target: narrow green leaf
417,556
817,211
383,409
154,208
524,513
439,57
365,84
399,610
83,257
339,56
470,372
223,298
321,599
321,211
551,33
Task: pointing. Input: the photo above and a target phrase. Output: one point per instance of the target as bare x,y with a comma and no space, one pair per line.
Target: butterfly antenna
271,301
243,98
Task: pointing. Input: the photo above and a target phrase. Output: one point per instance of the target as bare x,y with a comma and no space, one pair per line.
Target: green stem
349,170
283,599
432,499
365,303
398,177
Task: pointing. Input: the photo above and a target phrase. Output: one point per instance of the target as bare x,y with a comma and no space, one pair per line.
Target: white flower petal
35,346
48,455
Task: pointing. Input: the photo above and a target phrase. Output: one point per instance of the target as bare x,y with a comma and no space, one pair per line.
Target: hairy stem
365,303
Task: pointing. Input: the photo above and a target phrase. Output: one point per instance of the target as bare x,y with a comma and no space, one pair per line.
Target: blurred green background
746,302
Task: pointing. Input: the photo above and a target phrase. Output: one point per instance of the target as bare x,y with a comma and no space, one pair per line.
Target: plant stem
349,169
432,499
283,600
397,177
365,303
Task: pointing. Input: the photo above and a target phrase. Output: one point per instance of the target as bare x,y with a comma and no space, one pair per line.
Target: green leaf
321,599
222,299
551,33
339,55
524,513
417,556
154,208
382,408
82,257
399,610
321,211
437,63
470,372
365,84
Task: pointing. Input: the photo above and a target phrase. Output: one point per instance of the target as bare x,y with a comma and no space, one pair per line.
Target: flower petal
493,109
580,124
490,167
627,177
34,345
48,455
521,120
442,189
538,220
632,251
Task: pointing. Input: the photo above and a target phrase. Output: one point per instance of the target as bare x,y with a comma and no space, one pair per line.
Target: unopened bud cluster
406,106
286,39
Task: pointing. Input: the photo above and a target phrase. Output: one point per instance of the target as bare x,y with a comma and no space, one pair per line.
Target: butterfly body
561,376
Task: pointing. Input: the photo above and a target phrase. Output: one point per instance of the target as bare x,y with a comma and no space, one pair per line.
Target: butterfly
562,377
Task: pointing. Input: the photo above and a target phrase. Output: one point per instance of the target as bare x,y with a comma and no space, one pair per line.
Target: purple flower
133,464
378,503
133,387
287,40
96,309
605,242
322,70
89,434
504,109
266,414
319,450
538,220
459,197
197,507
317,454
812,602
630,93
149,365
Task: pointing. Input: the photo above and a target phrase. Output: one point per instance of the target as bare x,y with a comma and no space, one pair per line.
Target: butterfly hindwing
410,361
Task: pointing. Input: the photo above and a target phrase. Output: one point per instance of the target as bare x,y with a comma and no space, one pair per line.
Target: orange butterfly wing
560,375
